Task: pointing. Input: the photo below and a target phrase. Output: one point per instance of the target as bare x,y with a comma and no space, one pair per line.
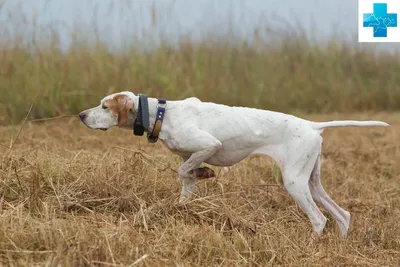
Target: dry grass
71,196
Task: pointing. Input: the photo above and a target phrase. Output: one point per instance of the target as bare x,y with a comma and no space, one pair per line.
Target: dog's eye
103,107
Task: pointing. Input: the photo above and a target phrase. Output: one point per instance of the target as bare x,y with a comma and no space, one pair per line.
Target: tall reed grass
289,74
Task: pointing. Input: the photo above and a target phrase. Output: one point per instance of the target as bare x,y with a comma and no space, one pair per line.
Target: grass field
71,196
74,197
288,76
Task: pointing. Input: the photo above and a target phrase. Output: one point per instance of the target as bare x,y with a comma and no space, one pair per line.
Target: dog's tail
322,125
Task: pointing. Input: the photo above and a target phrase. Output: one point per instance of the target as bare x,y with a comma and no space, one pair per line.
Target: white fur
222,135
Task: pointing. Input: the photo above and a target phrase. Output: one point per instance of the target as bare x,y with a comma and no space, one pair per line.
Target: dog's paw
202,173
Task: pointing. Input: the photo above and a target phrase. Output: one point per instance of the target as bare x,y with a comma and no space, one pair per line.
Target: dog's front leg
188,171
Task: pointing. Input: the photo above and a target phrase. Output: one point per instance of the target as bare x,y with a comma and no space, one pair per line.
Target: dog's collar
142,118
141,123
153,136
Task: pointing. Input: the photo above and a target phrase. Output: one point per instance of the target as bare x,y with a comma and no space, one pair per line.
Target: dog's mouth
103,129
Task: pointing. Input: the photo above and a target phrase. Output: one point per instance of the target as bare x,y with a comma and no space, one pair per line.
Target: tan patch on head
120,105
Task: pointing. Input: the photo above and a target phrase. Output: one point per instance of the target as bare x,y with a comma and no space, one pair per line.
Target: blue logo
380,20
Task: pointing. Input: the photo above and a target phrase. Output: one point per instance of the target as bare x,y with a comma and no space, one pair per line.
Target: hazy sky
117,19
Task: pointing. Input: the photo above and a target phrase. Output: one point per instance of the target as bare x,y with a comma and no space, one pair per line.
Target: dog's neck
152,104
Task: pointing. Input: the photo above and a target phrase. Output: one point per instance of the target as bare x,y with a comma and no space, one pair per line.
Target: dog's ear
123,105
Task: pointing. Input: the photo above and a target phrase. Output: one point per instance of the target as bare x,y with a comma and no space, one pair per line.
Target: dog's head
114,110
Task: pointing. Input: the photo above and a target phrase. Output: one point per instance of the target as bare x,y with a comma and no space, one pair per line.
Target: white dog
221,135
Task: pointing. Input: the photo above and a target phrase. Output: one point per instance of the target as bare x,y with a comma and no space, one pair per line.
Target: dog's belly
227,158
221,157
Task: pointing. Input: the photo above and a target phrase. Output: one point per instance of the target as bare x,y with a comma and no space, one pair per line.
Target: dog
222,135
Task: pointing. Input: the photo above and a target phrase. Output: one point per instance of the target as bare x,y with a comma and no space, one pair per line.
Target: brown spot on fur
120,105
203,173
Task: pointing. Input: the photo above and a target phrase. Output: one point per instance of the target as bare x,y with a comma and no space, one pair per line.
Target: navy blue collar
153,136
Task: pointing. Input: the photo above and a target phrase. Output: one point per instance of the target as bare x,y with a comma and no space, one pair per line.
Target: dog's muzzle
82,116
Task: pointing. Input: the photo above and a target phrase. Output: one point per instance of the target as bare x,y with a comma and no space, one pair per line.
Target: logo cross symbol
380,20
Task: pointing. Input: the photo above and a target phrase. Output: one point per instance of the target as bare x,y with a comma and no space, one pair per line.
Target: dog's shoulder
192,99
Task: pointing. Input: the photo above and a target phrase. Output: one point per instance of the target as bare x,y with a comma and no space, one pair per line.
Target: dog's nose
82,115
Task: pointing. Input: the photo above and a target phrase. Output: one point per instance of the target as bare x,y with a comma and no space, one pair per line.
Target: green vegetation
288,75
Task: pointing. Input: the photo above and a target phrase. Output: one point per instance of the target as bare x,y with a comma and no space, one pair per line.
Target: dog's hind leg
341,216
296,172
